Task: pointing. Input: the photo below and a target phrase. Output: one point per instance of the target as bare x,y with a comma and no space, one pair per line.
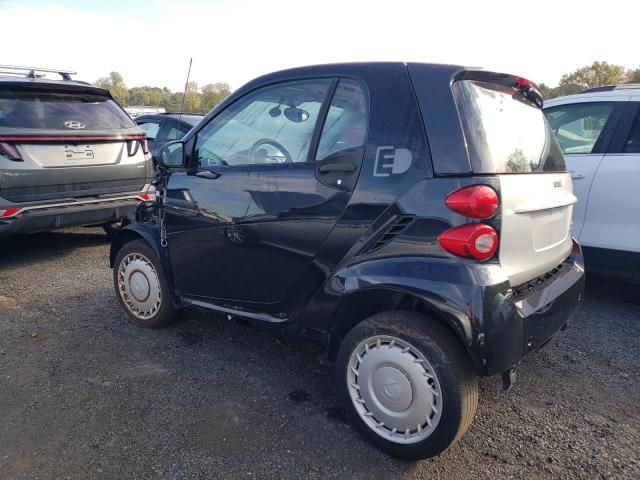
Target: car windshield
505,133
61,111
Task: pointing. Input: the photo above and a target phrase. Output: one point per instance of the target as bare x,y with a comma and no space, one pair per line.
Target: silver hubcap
394,389
139,285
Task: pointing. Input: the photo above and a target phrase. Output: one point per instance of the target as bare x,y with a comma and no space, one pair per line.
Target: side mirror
171,155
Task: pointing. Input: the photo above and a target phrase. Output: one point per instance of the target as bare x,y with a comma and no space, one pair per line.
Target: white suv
599,133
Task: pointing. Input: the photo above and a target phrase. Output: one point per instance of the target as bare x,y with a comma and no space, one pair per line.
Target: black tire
164,314
448,359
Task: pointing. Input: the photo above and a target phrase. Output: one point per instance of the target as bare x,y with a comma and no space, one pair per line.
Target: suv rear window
61,111
504,132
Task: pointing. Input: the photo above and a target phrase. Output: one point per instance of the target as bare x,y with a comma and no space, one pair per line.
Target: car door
268,180
583,129
612,220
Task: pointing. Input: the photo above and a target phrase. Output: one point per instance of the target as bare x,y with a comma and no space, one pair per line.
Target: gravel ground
86,394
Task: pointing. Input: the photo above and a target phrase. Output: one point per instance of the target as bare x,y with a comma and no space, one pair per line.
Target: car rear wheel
407,383
141,286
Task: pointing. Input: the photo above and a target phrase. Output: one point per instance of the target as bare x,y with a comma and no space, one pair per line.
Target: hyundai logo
74,124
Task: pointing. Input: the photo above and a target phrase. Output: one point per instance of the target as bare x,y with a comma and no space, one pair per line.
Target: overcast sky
150,41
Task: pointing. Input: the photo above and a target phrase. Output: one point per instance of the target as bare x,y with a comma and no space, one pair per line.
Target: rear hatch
67,144
507,135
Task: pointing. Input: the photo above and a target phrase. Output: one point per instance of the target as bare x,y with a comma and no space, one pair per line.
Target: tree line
595,75
198,99
201,99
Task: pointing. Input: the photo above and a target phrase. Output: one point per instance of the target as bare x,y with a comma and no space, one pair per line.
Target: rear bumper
37,218
521,320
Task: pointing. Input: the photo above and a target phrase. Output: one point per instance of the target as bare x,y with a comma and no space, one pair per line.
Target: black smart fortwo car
413,218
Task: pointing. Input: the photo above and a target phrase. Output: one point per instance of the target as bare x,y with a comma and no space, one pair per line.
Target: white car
599,133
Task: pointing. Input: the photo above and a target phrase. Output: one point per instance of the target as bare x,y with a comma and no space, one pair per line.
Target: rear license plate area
78,154
549,228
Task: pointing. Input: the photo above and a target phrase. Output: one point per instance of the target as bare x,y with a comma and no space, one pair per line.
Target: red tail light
524,83
9,151
145,146
9,212
475,240
530,90
476,201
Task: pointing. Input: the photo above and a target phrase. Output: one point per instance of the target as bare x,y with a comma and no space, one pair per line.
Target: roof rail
629,86
32,72
608,88
603,88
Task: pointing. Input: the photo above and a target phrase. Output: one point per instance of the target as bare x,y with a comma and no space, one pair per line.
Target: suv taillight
476,201
9,151
134,144
474,240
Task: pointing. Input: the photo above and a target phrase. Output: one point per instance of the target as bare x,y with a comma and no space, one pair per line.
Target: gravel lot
86,394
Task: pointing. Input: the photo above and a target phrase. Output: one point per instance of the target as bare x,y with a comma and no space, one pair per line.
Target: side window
632,145
346,124
272,125
578,126
182,131
151,129
169,132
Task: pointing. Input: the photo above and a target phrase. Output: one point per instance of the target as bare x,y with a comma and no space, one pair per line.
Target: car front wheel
141,286
407,383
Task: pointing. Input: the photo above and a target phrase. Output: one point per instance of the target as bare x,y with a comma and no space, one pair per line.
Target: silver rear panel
536,220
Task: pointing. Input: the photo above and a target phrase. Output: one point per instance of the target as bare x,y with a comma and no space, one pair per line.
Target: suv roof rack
608,88
32,72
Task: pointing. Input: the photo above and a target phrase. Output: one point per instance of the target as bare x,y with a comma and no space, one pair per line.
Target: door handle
207,174
347,167
576,175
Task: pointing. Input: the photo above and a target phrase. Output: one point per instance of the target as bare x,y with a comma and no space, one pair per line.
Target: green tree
546,91
139,96
517,162
594,75
172,102
213,94
156,95
148,96
633,76
115,84
192,99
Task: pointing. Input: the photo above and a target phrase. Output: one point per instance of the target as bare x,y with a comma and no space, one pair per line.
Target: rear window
504,132
61,111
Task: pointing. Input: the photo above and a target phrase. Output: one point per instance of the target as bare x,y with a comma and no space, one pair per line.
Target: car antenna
184,95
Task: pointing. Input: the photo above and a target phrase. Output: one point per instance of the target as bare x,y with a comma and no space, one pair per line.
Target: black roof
189,118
